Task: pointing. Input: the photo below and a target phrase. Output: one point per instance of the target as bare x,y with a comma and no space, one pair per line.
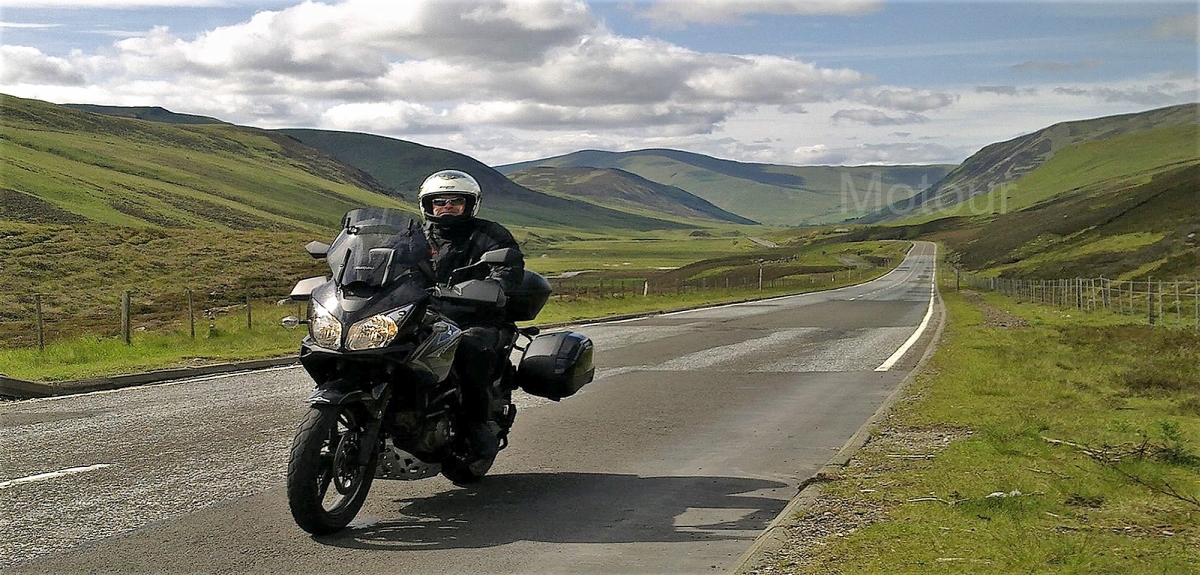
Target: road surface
696,433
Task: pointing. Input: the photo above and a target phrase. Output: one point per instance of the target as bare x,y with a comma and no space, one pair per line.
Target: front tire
325,455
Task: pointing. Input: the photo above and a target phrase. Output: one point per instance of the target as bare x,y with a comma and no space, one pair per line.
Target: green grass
221,340
129,173
162,339
1128,394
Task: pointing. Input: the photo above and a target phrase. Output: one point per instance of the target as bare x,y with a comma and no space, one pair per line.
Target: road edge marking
912,339
52,475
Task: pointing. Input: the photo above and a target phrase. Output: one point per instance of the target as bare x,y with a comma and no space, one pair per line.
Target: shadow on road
572,508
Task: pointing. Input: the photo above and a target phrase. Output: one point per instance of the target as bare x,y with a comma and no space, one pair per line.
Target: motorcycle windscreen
377,247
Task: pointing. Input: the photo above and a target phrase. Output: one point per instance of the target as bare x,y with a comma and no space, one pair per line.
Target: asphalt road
694,436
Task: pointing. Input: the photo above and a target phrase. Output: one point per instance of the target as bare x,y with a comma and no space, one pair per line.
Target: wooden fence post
125,319
41,326
191,313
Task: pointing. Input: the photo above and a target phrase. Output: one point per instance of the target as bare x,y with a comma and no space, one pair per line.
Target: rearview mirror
503,257
304,288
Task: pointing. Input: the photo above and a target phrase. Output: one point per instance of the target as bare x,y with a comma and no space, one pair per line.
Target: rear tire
324,455
468,466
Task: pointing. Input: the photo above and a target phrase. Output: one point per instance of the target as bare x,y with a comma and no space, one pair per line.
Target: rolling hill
767,193
69,166
403,165
1122,207
622,190
1005,163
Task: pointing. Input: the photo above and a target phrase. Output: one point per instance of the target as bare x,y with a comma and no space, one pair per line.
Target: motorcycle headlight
376,331
325,329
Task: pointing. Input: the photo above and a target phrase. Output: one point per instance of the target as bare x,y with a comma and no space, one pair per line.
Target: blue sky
779,81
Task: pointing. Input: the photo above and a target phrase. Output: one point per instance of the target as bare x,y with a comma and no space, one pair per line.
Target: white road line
51,475
891,361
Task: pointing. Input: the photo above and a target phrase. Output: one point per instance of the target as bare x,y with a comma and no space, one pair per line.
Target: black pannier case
556,365
526,301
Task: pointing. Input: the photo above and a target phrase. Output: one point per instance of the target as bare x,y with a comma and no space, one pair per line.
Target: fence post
646,288
1150,302
1160,298
191,314
41,330
249,317
125,320
1178,313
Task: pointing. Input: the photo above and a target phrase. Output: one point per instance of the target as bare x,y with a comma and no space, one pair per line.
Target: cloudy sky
778,81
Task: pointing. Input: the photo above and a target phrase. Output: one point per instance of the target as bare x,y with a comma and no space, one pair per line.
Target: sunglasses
440,202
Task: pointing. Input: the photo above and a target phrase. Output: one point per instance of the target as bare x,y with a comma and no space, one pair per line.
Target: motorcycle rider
449,203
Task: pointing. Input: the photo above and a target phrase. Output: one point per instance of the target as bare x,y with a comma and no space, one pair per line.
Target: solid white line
51,475
912,339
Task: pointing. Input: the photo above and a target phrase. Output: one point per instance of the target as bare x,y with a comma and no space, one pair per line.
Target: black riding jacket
462,243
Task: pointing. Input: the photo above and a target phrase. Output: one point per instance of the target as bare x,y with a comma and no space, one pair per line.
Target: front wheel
326,484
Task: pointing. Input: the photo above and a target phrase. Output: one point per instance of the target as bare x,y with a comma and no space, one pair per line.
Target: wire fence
1173,303
39,319
581,287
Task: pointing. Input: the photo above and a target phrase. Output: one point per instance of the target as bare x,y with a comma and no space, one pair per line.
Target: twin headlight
372,333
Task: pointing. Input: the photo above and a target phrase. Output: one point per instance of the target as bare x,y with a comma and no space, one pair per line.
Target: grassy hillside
971,185
65,166
623,190
404,165
771,194
1128,233
148,113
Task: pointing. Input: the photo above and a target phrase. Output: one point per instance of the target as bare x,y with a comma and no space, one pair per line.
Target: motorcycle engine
421,435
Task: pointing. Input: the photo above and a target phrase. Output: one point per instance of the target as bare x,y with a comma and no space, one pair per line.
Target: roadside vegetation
1036,440
83,339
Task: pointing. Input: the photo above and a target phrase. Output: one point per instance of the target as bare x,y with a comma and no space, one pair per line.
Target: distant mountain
623,190
768,193
388,167
148,113
1007,162
404,165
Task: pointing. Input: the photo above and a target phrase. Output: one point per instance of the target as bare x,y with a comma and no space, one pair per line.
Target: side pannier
556,365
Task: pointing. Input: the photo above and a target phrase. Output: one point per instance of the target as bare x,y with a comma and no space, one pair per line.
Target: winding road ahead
694,436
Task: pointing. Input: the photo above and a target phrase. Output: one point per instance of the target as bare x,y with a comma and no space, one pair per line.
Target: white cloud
423,66
892,153
1184,26
905,99
27,25
514,81
26,65
1056,67
877,118
114,4
679,13
1161,94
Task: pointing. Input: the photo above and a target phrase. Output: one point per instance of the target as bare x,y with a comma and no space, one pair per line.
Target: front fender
327,396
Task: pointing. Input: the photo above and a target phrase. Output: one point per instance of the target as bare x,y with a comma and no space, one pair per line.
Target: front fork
373,404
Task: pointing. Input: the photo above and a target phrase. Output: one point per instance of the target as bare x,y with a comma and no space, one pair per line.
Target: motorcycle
380,348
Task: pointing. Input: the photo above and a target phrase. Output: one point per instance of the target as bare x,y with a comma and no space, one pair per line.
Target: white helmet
449,183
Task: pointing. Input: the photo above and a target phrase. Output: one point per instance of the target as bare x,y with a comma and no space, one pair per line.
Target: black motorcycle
388,404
